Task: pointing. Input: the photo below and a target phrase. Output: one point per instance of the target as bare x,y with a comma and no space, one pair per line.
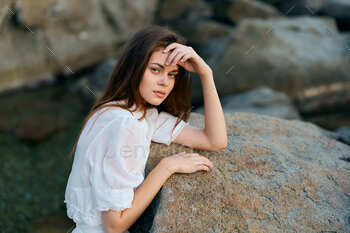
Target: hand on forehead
159,58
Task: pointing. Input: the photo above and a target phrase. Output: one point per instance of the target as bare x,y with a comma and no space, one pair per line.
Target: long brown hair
123,83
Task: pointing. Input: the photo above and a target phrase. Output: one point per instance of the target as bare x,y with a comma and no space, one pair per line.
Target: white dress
110,160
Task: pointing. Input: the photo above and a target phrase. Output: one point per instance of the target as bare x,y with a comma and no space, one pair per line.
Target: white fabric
110,160
164,126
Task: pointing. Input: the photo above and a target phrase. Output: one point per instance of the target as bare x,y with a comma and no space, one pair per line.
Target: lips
159,93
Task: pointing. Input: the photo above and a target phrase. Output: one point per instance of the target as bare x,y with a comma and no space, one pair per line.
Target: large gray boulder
275,175
203,31
338,9
62,36
236,10
4,10
171,10
288,55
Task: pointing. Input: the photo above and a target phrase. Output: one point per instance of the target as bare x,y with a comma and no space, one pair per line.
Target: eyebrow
163,66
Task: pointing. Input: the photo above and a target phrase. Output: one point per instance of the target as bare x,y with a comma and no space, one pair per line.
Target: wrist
166,166
205,70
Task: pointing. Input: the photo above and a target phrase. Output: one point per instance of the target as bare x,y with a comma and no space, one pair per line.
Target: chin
155,102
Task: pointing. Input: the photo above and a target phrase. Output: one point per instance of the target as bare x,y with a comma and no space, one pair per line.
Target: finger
170,47
177,58
171,56
194,154
204,162
203,167
184,58
181,153
207,161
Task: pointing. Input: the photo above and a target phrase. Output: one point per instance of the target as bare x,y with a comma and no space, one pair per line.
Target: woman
146,99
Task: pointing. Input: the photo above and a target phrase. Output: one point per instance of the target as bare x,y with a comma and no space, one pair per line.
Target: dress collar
138,113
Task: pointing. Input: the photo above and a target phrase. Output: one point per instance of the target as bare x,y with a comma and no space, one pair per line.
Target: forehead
159,57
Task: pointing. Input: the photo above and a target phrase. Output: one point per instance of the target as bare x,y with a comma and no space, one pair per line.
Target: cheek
173,84
147,82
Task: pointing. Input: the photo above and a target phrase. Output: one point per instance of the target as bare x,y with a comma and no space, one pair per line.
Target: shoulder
111,113
165,117
122,117
112,117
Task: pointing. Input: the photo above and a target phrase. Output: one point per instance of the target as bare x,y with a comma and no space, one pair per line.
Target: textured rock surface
236,10
92,85
4,9
201,32
169,10
54,36
260,101
283,54
344,136
274,176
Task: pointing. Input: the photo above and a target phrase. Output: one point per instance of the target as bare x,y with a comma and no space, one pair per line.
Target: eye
174,75
154,69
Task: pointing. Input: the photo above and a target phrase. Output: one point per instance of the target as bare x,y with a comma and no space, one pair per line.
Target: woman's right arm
120,221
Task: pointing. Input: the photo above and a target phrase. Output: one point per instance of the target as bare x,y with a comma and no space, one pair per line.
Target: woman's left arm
215,126
213,136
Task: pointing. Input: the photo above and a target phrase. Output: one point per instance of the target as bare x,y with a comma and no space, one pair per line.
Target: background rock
62,37
340,10
260,101
275,176
4,9
284,55
235,10
344,136
170,10
91,85
203,31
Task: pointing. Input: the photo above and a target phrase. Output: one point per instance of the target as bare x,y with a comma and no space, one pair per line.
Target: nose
164,80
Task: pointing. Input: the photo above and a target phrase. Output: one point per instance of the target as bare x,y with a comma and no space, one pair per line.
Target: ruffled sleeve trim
81,210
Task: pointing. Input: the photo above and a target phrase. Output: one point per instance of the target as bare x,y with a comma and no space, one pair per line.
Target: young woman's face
158,77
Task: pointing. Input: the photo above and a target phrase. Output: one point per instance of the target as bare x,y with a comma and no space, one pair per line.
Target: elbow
110,229
219,146
114,228
112,222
